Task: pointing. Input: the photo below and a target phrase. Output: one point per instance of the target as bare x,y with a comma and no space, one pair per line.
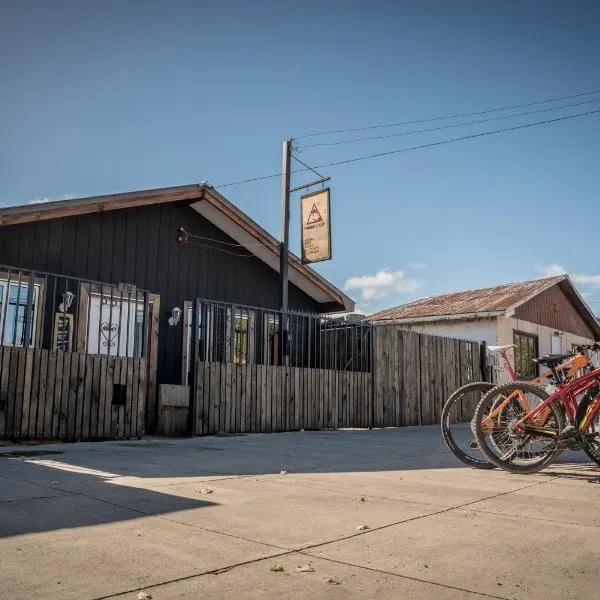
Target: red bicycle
521,428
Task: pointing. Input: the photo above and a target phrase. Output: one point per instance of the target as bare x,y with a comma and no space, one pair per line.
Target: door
556,344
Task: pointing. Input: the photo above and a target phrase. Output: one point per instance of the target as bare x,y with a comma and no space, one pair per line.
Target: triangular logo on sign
315,216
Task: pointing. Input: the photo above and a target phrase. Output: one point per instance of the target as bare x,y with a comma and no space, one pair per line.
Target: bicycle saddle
552,360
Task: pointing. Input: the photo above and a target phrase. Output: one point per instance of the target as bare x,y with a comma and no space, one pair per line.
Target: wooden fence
71,396
414,374
235,398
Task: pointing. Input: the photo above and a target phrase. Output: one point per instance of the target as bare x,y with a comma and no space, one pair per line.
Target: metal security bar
67,314
241,334
72,357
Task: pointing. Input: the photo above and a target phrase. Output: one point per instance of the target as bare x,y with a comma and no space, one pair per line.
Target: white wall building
544,316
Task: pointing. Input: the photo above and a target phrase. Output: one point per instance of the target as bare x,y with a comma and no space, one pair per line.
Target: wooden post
193,404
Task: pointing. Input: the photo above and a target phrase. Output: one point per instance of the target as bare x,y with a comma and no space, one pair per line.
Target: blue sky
132,95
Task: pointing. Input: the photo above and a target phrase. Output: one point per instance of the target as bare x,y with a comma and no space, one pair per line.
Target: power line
414,131
470,114
250,180
419,147
217,249
458,139
186,235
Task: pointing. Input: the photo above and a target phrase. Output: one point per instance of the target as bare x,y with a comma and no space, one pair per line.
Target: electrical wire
186,235
456,116
453,125
419,147
217,249
458,139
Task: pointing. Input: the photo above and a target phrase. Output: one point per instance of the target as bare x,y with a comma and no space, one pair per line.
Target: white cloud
44,199
593,280
580,278
417,265
550,270
382,283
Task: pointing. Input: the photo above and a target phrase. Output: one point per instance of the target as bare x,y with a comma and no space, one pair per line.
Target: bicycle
521,428
458,410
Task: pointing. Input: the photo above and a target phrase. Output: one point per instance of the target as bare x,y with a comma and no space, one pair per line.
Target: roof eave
339,300
435,318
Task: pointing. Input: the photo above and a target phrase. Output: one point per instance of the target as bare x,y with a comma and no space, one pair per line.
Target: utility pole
284,244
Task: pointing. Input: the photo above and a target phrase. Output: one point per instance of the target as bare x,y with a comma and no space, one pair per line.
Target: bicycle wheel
591,437
456,424
505,446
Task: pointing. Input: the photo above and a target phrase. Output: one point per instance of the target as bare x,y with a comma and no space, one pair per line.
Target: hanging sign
316,226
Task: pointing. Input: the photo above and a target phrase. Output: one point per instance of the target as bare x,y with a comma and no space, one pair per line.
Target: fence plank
87,396
215,390
36,407
103,412
78,394
4,368
251,396
130,390
95,396
48,393
114,417
261,388
142,396
135,382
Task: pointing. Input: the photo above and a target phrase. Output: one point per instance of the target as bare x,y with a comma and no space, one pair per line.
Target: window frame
38,299
534,354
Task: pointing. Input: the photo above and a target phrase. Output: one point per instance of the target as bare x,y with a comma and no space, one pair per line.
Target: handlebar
593,347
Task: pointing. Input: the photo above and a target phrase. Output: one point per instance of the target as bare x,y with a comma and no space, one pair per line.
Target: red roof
498,298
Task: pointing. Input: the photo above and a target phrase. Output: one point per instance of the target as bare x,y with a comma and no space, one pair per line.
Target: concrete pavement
208,517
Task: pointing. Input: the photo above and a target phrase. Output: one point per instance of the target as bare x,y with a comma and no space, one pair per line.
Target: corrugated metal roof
484,300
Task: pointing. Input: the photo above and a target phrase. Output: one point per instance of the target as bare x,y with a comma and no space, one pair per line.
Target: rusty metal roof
496,299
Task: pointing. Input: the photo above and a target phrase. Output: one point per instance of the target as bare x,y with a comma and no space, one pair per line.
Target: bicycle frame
577,362
567,396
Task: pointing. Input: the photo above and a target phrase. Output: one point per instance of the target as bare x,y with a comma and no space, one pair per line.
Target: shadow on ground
44,488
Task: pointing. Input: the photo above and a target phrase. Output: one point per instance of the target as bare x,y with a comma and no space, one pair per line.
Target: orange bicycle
458,410
521,428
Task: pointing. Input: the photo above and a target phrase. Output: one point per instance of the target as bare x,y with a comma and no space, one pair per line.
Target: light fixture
67,300
175,316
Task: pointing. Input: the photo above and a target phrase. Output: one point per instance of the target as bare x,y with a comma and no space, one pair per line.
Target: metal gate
258,370
73,357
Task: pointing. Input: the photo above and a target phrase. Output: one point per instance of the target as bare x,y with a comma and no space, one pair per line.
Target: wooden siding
139,245
69,396
553,309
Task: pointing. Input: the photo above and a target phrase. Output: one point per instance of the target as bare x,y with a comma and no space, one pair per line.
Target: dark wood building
147,253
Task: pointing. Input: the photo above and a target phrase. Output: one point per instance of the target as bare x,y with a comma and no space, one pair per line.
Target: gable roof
499,300
214,207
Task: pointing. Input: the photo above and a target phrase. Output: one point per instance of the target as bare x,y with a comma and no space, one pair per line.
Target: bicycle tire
545,458
446,417
592,447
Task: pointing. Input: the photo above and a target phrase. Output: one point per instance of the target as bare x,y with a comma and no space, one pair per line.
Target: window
271,346
526,349
13,313
220,339
240,342
115,327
